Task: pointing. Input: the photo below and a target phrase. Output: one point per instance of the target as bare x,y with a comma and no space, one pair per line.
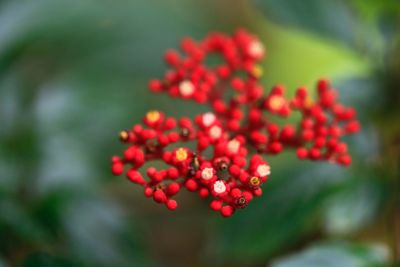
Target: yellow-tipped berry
181,154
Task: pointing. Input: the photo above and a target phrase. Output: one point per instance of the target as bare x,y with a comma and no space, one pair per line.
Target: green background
73,73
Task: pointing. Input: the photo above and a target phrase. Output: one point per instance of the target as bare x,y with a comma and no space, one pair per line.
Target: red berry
155,85
203,192
227,211
191,185
275,147
171,57
352,127
235,193
171,204
216,205
173,188
344,160
301,92
302,153
173,173
315,153
323,85
135,177
117,168
148,191
159,196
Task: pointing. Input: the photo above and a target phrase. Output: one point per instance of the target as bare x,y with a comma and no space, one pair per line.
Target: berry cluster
219,153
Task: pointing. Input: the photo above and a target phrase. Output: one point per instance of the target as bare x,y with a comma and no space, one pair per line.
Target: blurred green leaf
353,208
307,58
43,259
333,19
337,254
2,263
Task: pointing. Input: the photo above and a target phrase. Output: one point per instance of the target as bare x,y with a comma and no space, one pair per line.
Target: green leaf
337,254
297,58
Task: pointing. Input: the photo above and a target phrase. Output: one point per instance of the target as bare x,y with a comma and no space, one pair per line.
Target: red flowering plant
238,130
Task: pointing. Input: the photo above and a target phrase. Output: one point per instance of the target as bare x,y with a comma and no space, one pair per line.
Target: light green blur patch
296,58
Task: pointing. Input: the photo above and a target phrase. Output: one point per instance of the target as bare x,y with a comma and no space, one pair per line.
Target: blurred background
73,73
